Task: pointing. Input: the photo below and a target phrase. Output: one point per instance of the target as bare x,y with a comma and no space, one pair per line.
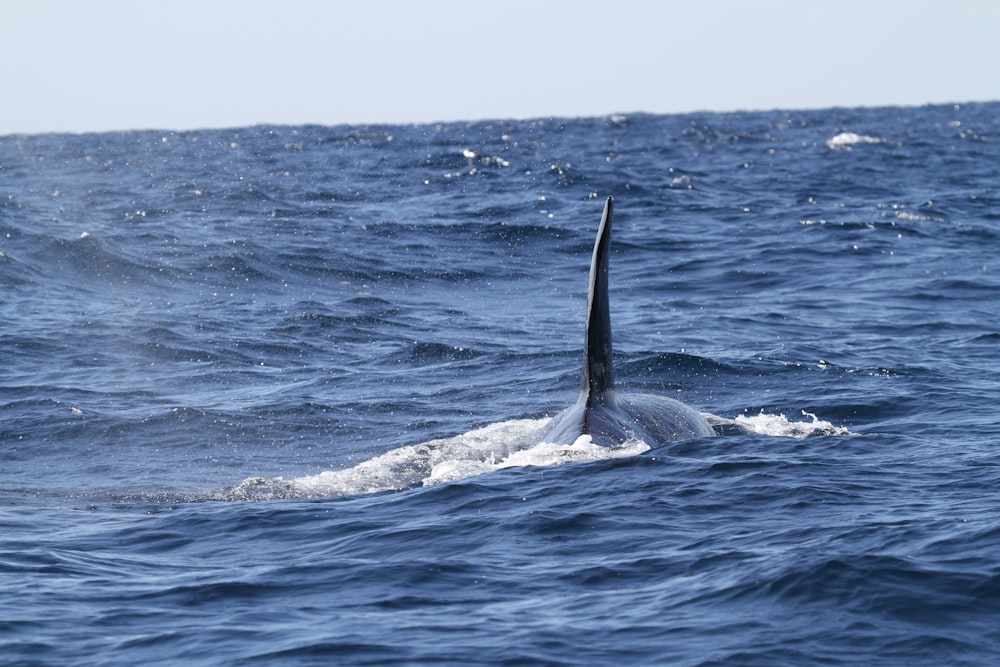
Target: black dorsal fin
598,375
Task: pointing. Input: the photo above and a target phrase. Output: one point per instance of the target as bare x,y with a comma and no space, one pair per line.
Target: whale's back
600,412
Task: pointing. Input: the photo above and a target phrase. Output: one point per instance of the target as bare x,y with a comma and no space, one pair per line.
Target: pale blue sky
181,64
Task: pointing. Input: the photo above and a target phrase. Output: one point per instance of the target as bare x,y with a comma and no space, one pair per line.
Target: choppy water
273,395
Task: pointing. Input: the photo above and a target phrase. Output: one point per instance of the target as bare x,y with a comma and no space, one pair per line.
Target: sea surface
274,395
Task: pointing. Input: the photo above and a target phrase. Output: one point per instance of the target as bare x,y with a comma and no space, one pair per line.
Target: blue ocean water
273,395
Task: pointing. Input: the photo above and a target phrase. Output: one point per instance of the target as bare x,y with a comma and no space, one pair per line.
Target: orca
608,417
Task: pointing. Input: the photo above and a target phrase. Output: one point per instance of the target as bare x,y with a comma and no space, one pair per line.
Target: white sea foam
917,217
502,445
542,454
470,453
848,139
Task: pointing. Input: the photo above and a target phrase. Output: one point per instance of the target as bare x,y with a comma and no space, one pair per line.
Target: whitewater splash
495,447
779,425
845,140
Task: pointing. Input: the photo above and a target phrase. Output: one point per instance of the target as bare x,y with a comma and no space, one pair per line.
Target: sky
97,65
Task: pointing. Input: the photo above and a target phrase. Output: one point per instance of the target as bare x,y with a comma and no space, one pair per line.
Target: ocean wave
317,311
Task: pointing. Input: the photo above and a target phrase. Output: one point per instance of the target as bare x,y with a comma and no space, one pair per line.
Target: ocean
274,395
